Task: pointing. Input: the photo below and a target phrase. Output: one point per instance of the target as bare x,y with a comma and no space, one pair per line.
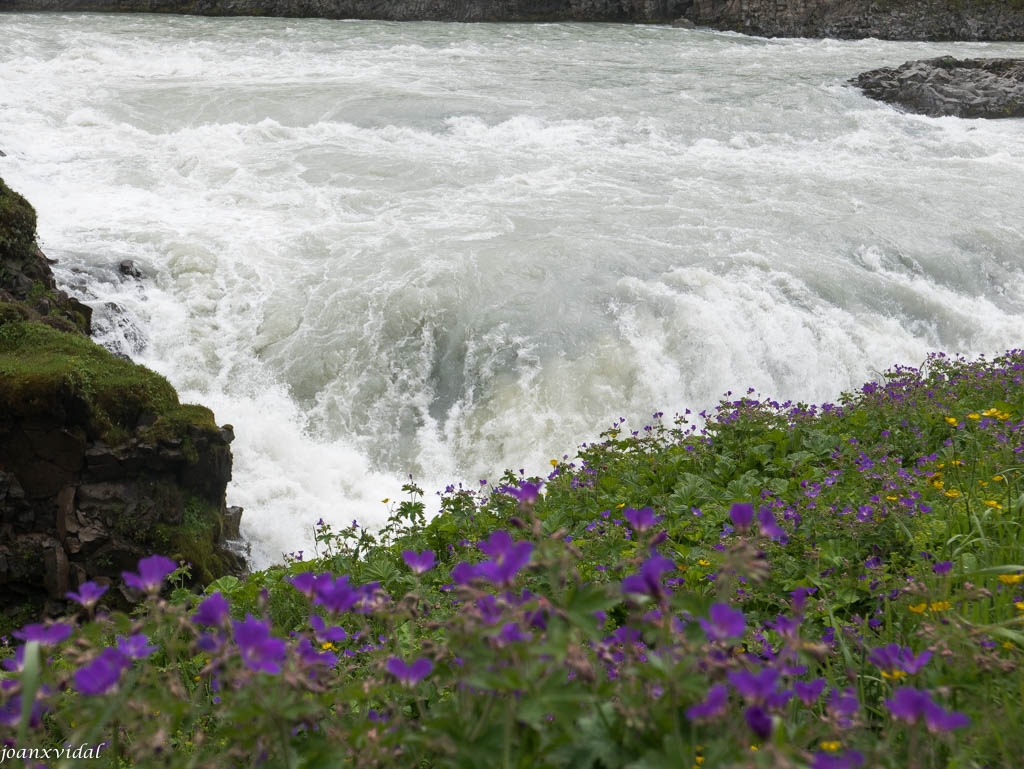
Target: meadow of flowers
831,586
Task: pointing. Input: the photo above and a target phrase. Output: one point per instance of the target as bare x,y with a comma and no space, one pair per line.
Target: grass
833,585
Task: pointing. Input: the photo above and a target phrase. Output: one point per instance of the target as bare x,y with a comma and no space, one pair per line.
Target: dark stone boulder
967,88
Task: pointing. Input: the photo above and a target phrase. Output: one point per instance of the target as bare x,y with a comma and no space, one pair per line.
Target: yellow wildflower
620,505
918,608
998,478
1006,645
990,412
703,562
993,504
974,416
940,605
892,498
957,462
952,493
830,746
1019,605
952,421
893,675
386,500
554,463
1011,579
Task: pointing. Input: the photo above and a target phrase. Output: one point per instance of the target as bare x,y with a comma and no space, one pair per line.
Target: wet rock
129,269
944,86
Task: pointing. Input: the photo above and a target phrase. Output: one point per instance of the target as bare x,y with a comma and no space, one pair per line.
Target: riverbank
935,20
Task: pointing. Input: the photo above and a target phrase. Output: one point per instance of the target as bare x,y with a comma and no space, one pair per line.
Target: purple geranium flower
648,581
47,635
260,650
910,705
311,656
810,691
135,647
742,515
102,674
419,563
850,759
713,705
759,721
507,558
212,611
754,687
152,573
766,523
88,594
409,675
326,634
894,660
526,492
723,622
641,520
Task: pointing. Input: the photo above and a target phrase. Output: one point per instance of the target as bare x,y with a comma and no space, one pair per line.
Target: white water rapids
445,249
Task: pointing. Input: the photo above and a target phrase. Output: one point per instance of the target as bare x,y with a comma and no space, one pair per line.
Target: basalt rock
968,88
886,19
100,464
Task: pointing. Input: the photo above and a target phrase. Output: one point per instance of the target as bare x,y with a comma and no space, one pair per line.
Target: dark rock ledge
968,88
100,464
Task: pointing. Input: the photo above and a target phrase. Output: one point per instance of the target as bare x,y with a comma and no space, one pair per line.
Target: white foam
450,249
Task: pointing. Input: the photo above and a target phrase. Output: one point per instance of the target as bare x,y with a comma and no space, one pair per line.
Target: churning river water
445,249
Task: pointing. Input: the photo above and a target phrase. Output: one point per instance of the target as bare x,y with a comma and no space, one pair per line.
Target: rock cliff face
99,462
886,19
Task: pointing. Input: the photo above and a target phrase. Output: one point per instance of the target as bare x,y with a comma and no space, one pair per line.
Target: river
381,249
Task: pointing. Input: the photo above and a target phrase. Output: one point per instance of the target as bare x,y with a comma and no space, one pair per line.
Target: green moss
195,540
44,372
17,224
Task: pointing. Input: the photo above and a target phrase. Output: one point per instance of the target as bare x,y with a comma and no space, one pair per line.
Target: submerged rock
968,88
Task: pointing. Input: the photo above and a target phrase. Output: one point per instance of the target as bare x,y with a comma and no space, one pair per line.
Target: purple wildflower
409,675
152,572
713,705
810,691
102,674
511,633
526,492
759,721
47,635
260,650
305,651
943,567
769,528
754,687
742,515
507,558
723,622
648,581
894,660
135,647
911,705
419,563
212,611
641,520
326,634
850,759
88,594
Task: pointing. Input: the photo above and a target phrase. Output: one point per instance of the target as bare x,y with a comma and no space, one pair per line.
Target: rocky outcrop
855,19
969,88
100,464
886,19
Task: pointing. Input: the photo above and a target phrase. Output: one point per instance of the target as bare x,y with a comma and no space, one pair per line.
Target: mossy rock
45,373
17,224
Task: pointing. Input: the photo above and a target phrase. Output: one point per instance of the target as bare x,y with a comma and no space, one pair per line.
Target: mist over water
445,249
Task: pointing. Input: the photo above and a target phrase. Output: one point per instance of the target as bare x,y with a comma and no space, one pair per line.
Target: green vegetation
44,372
789,585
